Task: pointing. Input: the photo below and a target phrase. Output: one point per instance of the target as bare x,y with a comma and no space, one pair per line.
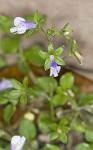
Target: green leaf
2,62
3,100
32,55
33,92
73,45
50,48
59,61
54,135
59,51
23,99
25,82
5,23
8,112
10,45
47,64
63,138
22,65
51,147
54,126
86,99
67,81
83,146
36,17
44,83
16,84
14,94
44,122
44,55
27,129
89,136
59,100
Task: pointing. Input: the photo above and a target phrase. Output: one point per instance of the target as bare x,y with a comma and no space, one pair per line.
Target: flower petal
17,20
21,30
14,29
5,84
17,142
28,25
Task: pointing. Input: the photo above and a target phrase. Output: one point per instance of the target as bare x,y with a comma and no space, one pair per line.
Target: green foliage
27,129
83,146
44,122
89,135
59,100
16,84
67,81
44,82
5,23
86,99
2,62
10,45
59,131
32,55
51,147
8,112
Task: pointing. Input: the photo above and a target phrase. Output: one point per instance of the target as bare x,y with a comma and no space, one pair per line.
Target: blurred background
79,15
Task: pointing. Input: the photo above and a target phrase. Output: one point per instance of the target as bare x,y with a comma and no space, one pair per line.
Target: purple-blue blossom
21,25
5,84
17,142
54,68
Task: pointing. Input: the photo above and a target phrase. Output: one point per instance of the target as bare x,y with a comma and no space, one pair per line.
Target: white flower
54,68
17,142
21,25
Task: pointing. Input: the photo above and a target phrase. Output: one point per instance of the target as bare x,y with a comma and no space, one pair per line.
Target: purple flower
54,68
5,84
17,142
21,25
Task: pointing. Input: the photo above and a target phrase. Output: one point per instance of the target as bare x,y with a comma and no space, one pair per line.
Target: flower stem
51,98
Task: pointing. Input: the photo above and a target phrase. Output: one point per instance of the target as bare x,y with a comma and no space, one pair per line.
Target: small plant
59,109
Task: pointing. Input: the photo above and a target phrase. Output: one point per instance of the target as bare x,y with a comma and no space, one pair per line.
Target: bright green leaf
16,84
67,80
44,83
59,51
50,48
43,54
59,100
59,61
83,146
5,23
15,93
89,136
47,64
2,62
27,129
8,112
9,45
54,135
23,99
44,122
63,138
51,147
32,55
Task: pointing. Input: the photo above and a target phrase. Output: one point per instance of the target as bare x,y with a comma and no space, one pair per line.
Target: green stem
51,98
